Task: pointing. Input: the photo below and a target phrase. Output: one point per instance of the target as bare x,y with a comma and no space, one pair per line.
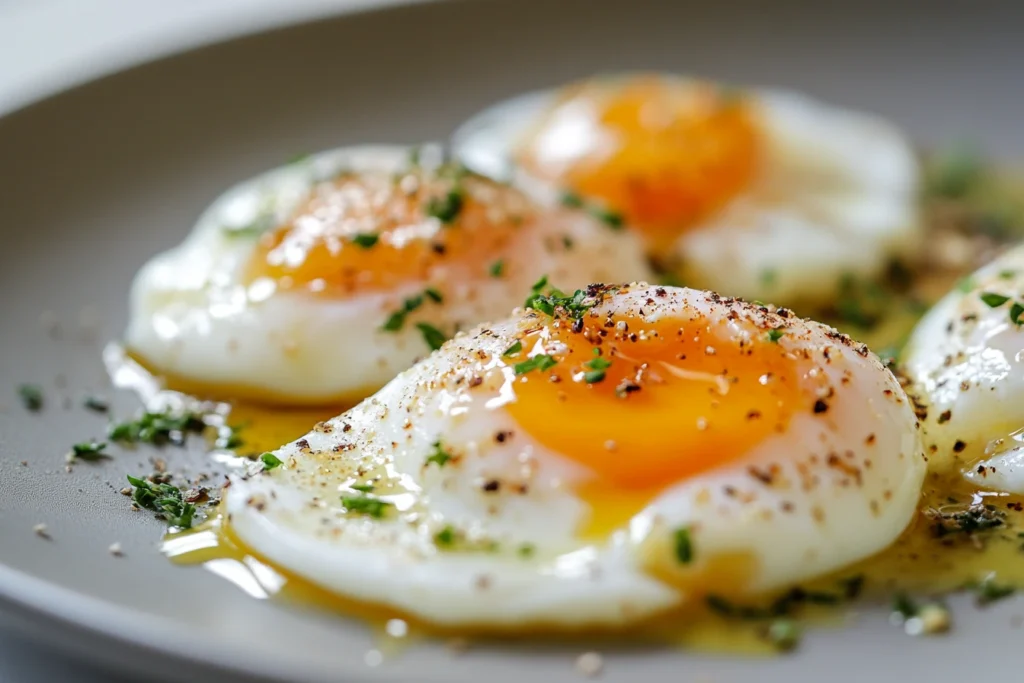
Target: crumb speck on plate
590,664
42,531
115,550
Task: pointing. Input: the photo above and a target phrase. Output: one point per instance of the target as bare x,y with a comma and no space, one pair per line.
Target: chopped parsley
445,537
1007,274
438,455
572,200
434,337
228,438
164,499
514,349
976,518
88,450
363,488
97,404
497,268
526,550
775,335
994,300
965,285
366,240
541,361
270,461
783,634
613,219
365,505
785,605
446,208
574,306
1016,310
158,428
31,396
954,175
988,591
683,545
596,368
396,320
904,606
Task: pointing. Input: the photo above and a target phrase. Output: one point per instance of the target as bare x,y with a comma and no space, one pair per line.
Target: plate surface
98,178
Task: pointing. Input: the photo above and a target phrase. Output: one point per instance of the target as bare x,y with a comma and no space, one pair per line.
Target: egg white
192,315
836,197
965,360
846,484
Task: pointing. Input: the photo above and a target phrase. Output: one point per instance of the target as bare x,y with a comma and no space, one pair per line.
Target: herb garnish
365,505
96,404
783,634
784,605
572,200
977,517
574,306
164,499
434,337
993,299
596,368
433,294
158,428
955,174
988,591
31,396
1016,311
88,450
541,361
526,550
270,461
446,208
445,537
396,320
612,219
438,455
366,240
683,545
514,349
363,488
497,268
776,334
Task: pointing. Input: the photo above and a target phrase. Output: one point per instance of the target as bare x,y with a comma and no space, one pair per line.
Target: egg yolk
644,405
373,232
665,154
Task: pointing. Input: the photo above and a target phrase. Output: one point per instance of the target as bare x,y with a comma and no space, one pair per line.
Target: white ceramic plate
98,178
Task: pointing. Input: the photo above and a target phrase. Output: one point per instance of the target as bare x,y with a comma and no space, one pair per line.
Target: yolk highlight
676,400
374,232
664,154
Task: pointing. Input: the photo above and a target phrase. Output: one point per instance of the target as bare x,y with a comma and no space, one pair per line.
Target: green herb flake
903,606
497,268
514,349
783,634
270,461
433,294
965,285
988,591
526,550
445,538
434,337
1007,274
164,499
596,368
438,455
158,428
613,219
366,240
97,404
88,450
775,335
683,545
396,320
541,361
363,488
1016,311
993,299
31,396
955,174
446,208
572,200
365,505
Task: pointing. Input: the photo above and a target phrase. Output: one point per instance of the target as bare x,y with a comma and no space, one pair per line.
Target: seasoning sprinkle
541,361
270,461
683,545
438,455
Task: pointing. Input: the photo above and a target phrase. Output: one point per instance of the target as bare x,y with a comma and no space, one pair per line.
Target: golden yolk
373,232
676,399
665,155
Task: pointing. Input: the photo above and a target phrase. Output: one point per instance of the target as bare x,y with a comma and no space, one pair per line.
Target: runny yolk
676,399
372,232
664,153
